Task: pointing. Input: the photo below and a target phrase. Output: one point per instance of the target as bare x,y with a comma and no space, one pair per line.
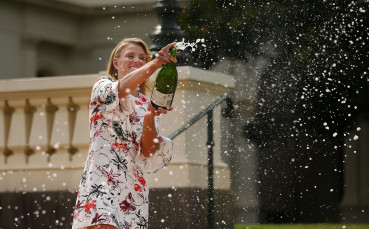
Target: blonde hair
147,85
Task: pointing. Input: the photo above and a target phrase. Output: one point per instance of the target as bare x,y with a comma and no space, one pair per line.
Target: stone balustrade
44,135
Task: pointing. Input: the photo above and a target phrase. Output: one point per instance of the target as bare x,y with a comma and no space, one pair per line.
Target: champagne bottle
165,84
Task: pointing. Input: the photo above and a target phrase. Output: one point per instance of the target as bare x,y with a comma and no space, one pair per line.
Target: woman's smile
131,58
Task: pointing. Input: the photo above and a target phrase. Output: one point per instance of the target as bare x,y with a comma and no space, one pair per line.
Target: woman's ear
115,63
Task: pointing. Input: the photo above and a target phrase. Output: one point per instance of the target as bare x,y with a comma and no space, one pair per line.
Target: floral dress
113,189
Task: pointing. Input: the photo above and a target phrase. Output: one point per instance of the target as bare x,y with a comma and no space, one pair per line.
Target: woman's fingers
166,48
161,111
164,56
158,111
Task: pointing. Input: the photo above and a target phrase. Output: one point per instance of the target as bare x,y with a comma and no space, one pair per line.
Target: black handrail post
227,113
210,144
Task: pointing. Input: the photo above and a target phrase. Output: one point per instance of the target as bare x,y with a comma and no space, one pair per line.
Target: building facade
72,40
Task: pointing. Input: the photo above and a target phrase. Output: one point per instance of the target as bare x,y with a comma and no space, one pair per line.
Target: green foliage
321,70
227,27
308,98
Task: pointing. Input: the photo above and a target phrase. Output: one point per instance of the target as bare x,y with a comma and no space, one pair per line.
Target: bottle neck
174,52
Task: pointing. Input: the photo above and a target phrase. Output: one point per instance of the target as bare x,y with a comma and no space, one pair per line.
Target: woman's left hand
149,136
159,111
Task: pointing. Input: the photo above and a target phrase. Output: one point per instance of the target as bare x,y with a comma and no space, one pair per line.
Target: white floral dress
112,189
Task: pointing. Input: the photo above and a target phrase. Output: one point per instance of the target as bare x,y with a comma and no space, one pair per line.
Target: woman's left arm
150,138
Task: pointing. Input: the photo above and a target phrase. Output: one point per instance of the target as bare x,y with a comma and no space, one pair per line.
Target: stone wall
44,144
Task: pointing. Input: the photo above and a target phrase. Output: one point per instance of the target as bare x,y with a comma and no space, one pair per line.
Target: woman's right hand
164,57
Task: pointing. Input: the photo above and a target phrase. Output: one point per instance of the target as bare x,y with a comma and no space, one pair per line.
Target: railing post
227,113
210,144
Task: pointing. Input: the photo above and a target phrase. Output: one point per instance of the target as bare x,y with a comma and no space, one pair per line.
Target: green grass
301,226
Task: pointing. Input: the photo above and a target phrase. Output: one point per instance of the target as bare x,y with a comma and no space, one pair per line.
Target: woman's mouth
134,67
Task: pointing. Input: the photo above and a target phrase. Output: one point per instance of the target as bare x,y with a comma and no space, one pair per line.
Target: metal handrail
227,112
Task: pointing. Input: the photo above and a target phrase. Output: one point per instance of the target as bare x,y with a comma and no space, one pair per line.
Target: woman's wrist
150,114
157,63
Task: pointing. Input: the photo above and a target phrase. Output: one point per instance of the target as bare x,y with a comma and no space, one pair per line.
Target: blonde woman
124,141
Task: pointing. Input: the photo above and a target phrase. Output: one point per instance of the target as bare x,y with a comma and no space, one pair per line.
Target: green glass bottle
165,84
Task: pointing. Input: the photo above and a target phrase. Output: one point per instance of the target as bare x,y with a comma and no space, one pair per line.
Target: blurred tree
323,62
311,94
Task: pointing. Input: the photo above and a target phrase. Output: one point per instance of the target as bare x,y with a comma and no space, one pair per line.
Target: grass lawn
301,226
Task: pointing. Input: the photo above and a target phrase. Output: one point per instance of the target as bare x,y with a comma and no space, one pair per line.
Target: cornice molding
67,6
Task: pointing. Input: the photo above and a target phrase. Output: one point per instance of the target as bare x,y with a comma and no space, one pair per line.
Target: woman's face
130,58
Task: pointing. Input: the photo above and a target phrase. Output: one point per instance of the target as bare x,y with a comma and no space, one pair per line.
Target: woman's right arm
131,81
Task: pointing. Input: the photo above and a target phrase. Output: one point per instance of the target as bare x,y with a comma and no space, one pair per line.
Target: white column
355,203
243,154
197,89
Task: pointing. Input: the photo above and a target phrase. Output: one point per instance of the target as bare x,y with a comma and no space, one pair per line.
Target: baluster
210,145
51,109
29,110
72,114
8,113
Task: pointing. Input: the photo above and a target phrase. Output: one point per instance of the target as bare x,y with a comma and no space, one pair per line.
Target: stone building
52,53
44,131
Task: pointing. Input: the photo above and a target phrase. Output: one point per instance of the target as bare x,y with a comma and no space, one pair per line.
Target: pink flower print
138,103
97,133
140,179
111,180
119,145
128,204
98,219
79,205
90,205
93,119
138,188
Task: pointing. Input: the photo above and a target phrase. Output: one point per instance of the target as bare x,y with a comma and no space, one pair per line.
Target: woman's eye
130,56
142,58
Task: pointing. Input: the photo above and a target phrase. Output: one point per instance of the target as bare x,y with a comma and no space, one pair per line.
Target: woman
124,142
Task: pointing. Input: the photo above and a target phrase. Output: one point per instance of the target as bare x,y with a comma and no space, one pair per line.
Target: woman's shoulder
103,77
103,81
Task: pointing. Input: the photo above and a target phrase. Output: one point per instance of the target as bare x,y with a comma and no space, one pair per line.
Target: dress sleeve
105,95
160,158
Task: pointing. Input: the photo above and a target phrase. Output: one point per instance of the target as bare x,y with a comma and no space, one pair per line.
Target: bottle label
161,99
